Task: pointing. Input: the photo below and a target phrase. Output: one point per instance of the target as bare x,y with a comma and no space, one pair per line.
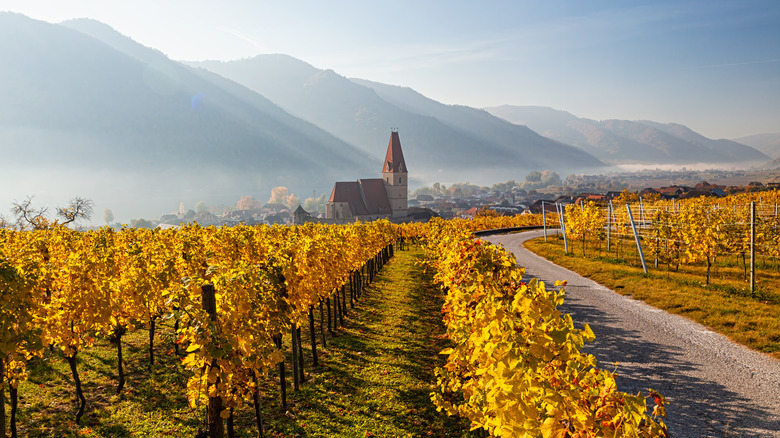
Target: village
388,197
505,199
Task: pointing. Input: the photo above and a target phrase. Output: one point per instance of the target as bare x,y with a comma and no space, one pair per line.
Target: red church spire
394,160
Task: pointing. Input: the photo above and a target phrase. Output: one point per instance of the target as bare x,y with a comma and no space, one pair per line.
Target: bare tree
79,208
27,215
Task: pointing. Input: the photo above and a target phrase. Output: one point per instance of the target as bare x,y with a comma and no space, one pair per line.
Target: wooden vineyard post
300,355
256,399
2,397
544,222
352,293
14,394
336,310
282,374
636,237
215,423
752,247
345,311
352,297
322,325
330,319
358,283
295,358
313,334
609,225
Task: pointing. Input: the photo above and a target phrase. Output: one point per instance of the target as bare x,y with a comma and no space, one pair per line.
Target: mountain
485,127
766,143
440,141
623,141
88,112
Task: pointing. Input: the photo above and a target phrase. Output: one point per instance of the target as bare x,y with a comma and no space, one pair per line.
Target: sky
711,65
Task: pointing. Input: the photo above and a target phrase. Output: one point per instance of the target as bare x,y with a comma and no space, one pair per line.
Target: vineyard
515,368
735,234
228,297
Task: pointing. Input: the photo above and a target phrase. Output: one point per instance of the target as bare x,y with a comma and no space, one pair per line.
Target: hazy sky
709,64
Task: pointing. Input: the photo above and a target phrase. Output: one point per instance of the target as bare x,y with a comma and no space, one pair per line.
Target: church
374,198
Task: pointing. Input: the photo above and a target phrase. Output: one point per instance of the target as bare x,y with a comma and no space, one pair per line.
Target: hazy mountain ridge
766,143
437,138
624,141
483,125
82,106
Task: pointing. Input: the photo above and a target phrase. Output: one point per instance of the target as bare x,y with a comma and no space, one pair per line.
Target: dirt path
715,388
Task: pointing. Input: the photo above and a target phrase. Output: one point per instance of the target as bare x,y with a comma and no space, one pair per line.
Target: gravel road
714,387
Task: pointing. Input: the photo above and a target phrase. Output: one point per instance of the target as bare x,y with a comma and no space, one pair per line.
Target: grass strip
374,378
723,306
378,373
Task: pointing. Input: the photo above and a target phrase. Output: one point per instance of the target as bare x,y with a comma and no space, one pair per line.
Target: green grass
378,374
726,305
373,379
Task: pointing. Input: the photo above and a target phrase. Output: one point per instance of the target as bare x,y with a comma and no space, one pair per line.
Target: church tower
395,176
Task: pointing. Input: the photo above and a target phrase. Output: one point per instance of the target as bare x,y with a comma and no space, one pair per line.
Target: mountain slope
77,104
623,141
434,146
730,150
766,143
482,125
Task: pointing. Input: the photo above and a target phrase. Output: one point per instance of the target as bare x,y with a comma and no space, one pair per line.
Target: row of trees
533,180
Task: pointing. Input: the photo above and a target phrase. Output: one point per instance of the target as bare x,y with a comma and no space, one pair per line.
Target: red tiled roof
367,196
349,191
394,160
375,196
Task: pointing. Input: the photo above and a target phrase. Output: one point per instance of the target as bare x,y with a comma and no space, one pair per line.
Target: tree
505,186
79,208
282,195
142,223
108,216
315,204
538,180
27,215
550,178
486,212
201,207
626,197
534,176
248,203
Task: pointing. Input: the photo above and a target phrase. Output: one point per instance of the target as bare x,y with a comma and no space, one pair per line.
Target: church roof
349,191
394,159
375,196
365,197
